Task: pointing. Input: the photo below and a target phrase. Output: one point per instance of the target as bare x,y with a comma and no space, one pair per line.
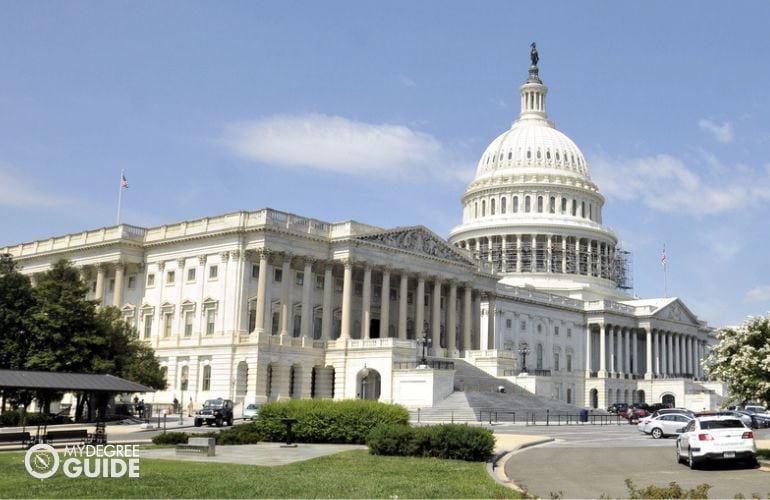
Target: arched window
206,379
574,208
483,208
538,154
583,209
548,155
492,206
564,206
529,154
552,205
515,204
510,155
476,210
527,204
540,204
502,205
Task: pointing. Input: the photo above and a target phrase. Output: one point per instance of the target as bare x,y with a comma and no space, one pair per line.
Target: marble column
648,374
306,320
259,324
347,300
435,320
366,303
603,350
101,270
385,305
611,368
419,314
451,326
327,313
467,316
491,313
589,356
286,286
117,297
402,305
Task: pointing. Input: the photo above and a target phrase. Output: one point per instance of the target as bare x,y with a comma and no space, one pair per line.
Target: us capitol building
531,288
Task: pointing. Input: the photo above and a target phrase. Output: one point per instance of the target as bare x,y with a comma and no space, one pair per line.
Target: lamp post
524,350
23,417
425,342
183,387
364,382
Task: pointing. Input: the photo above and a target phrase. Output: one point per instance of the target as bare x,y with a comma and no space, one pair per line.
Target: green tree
742,359
16,302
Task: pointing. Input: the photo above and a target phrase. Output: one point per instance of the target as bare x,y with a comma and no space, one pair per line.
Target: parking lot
595,461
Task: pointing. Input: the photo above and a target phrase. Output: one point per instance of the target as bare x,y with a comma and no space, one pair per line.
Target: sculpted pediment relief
676,311
418,240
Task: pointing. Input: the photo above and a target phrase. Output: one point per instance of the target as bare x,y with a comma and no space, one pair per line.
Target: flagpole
120,196
664,260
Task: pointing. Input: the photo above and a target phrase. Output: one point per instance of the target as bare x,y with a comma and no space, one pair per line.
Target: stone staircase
477,398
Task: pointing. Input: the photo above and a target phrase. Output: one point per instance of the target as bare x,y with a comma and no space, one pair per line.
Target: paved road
591,462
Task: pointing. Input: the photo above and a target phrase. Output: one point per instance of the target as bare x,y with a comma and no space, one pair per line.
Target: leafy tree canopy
16,301
742,359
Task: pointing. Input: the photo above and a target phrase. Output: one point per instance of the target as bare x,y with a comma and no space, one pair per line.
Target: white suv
715,438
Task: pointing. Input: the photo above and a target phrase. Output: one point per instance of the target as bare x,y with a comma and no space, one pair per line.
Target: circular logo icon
41,461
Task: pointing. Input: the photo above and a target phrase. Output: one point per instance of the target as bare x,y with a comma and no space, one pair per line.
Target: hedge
238,434
13,419
326,421
451,441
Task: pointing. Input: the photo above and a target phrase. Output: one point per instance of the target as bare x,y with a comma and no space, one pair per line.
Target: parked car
715,438
251,411
669,424
664,411
617,407
755,409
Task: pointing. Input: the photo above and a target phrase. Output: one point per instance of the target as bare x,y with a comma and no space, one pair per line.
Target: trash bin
583,416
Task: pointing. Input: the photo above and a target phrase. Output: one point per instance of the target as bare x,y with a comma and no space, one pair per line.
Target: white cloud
722,133
17,190
665,184
340,145
758,294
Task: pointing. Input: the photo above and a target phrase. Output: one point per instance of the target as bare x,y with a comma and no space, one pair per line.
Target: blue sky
379,111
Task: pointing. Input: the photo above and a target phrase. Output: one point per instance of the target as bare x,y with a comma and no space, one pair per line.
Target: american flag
123,181
663,257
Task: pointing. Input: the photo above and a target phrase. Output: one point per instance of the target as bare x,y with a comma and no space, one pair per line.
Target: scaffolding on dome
621,268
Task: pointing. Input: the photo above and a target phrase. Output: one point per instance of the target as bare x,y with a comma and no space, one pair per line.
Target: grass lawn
352,474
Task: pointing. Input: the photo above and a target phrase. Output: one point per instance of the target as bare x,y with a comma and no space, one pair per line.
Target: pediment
418,240
676,311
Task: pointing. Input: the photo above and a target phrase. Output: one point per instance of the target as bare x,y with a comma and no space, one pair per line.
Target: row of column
544,253
666,353
674,354
468,310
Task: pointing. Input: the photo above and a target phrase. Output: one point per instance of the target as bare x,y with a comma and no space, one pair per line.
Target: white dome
530,146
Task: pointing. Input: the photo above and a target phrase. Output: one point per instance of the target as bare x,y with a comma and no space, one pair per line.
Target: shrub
452,441
9,419
673,490
400,440
171,438
239,434
325,421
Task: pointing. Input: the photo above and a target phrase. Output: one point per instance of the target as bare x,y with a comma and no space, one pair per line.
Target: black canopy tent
99,385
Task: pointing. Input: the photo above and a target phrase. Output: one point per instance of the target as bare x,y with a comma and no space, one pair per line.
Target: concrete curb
496,470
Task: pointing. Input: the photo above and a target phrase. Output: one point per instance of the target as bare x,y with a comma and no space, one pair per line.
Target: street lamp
524,350
425,342
183,387
364,382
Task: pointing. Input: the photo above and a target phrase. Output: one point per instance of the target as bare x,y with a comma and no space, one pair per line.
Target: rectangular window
359,289
252,318
338,285
112,285
211,319
523,326
319,282
569,332
569,362
147,325
213,272
168,320
508,323
206,385
131,282
189,316
278,275
377,292
255,271
556,361
393,294
191,274
409,298
150,280
170,277
299,278
556,330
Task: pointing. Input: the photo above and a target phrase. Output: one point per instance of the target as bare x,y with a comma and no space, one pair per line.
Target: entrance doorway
374,328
